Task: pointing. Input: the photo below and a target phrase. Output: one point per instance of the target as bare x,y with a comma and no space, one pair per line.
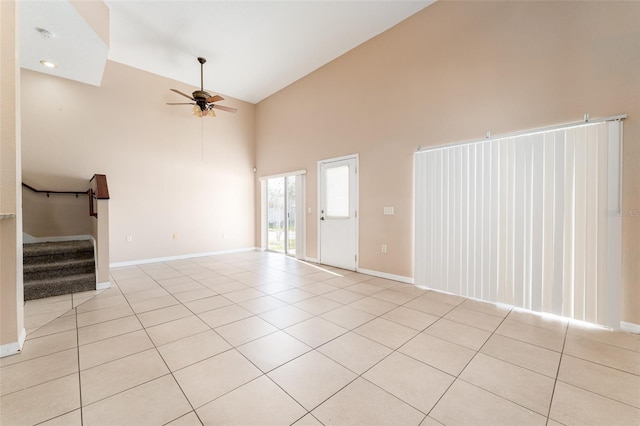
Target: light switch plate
388,211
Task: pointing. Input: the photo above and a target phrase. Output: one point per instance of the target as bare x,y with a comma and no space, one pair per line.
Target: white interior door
338,236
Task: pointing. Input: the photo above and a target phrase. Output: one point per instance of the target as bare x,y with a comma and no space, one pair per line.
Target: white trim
312,260
402,279
301,201
103,286
264,214
180,257
630,327
301,217
523,133
29,239
14,347
294,173
344,157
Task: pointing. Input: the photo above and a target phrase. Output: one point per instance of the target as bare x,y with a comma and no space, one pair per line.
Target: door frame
357,203
300,211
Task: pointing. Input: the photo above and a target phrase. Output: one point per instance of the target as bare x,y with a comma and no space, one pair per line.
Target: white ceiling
73,45
253,48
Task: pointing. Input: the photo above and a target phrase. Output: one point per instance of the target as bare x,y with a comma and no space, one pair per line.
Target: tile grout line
557,370
233,347
79,384
457,377
265,374
602,365
79,370
349,330
553,391
379,316
163,360
140,384
39,356
360,375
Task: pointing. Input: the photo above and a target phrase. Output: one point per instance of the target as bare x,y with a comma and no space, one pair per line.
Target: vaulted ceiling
253,48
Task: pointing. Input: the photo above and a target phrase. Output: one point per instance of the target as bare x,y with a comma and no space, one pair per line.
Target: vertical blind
531,221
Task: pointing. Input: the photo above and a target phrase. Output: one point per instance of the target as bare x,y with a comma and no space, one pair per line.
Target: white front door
338,190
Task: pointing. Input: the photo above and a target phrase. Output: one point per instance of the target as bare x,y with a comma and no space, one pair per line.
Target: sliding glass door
281,214
290,205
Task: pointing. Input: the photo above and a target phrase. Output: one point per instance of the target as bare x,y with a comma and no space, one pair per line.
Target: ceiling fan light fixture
202,101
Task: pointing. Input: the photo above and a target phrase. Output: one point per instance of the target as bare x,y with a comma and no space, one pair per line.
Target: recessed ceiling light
49,64
46,33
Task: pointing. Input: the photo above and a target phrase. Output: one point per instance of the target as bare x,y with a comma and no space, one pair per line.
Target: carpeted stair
55,268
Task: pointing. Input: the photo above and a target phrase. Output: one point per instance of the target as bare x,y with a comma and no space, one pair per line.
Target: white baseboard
29,239
180,257
402,279
311,259
630,327
103,286
14,347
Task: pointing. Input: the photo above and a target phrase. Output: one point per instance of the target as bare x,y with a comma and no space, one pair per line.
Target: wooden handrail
102,190
43,191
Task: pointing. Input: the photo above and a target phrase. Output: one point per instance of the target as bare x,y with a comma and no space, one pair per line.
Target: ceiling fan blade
180,103
183,94
224,108
215,98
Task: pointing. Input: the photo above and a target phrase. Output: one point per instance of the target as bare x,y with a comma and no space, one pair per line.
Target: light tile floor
260,338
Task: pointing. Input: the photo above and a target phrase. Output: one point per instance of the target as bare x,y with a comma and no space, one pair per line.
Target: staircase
55,268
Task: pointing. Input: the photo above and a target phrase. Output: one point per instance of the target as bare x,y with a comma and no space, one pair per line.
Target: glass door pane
276,214
291,215
337,191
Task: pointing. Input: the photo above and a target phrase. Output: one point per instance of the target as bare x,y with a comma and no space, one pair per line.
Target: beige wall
168,172
56,215
451,73
11,293
96,13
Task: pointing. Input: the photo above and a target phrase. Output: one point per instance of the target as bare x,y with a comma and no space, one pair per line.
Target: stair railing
101,193
48,192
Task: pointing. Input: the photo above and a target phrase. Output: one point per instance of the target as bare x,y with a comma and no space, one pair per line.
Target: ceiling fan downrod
202,61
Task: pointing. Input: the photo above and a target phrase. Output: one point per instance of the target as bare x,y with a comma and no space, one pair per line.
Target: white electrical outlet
384,248
129,238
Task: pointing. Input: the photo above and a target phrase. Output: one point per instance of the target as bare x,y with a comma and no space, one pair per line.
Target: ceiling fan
203,103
